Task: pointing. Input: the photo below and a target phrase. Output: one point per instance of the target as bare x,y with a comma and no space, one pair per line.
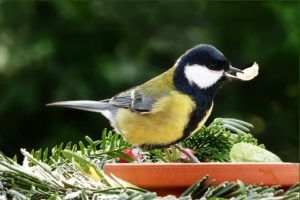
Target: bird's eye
216,66
212,66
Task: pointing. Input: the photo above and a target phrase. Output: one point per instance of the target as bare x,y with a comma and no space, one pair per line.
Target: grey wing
134,100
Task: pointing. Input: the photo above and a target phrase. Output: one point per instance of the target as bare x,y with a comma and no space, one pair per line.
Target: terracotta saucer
173,178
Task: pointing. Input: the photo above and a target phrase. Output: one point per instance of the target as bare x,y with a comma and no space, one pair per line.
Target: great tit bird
170,107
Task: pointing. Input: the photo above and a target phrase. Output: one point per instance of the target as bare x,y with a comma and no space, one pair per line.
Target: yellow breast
163,125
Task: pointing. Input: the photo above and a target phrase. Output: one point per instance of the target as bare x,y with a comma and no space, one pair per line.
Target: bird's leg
192,158
136,151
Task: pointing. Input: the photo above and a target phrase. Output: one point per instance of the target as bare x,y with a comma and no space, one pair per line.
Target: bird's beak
231,73
244,75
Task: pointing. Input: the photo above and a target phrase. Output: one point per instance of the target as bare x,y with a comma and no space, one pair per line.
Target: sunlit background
63,50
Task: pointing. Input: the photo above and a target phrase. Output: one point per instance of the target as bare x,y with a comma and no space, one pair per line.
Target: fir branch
66,181
213,143
102,151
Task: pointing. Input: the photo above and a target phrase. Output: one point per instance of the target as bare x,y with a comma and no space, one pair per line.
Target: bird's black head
201,68
205,56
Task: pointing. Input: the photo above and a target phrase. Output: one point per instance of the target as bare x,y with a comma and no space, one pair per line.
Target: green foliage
237,190
74,177
162,155
247,138
102,151
213,143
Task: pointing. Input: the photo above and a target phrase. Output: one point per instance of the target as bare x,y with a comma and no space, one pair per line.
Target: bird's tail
93,106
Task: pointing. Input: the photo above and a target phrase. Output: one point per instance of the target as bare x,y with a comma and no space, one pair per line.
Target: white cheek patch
201,75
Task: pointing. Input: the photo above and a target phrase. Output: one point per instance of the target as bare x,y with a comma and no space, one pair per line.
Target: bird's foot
191,157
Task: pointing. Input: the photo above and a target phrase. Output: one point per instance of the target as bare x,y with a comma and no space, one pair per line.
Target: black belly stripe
196,116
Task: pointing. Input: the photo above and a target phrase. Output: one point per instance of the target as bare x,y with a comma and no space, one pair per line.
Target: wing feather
143,97
133,99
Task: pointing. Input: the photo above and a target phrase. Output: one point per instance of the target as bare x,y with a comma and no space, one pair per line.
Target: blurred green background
62,50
